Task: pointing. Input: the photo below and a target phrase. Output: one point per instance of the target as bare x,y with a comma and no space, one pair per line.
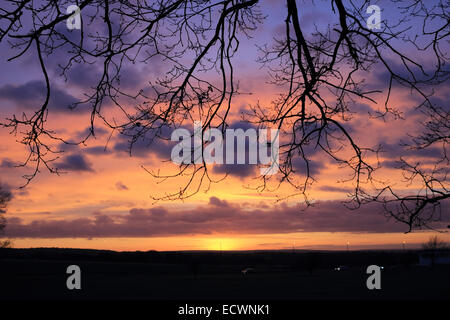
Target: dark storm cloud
31,95
75,162
218,216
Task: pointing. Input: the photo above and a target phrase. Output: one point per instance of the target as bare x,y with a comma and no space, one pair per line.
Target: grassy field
30,275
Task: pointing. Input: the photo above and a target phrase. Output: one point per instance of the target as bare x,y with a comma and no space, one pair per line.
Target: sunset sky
103,198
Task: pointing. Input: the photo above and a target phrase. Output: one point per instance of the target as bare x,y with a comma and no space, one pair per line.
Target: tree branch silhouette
320,76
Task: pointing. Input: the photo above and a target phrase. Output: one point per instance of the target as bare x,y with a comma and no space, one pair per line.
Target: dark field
41,274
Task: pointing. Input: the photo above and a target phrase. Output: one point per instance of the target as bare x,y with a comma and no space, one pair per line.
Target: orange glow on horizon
297,241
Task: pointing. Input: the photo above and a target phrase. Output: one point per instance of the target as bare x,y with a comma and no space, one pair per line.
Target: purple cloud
218,216
7,163
75,162
31,95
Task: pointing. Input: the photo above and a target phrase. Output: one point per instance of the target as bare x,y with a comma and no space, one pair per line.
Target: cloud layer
218,216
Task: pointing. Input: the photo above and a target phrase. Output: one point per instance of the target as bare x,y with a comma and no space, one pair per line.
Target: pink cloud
218,216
